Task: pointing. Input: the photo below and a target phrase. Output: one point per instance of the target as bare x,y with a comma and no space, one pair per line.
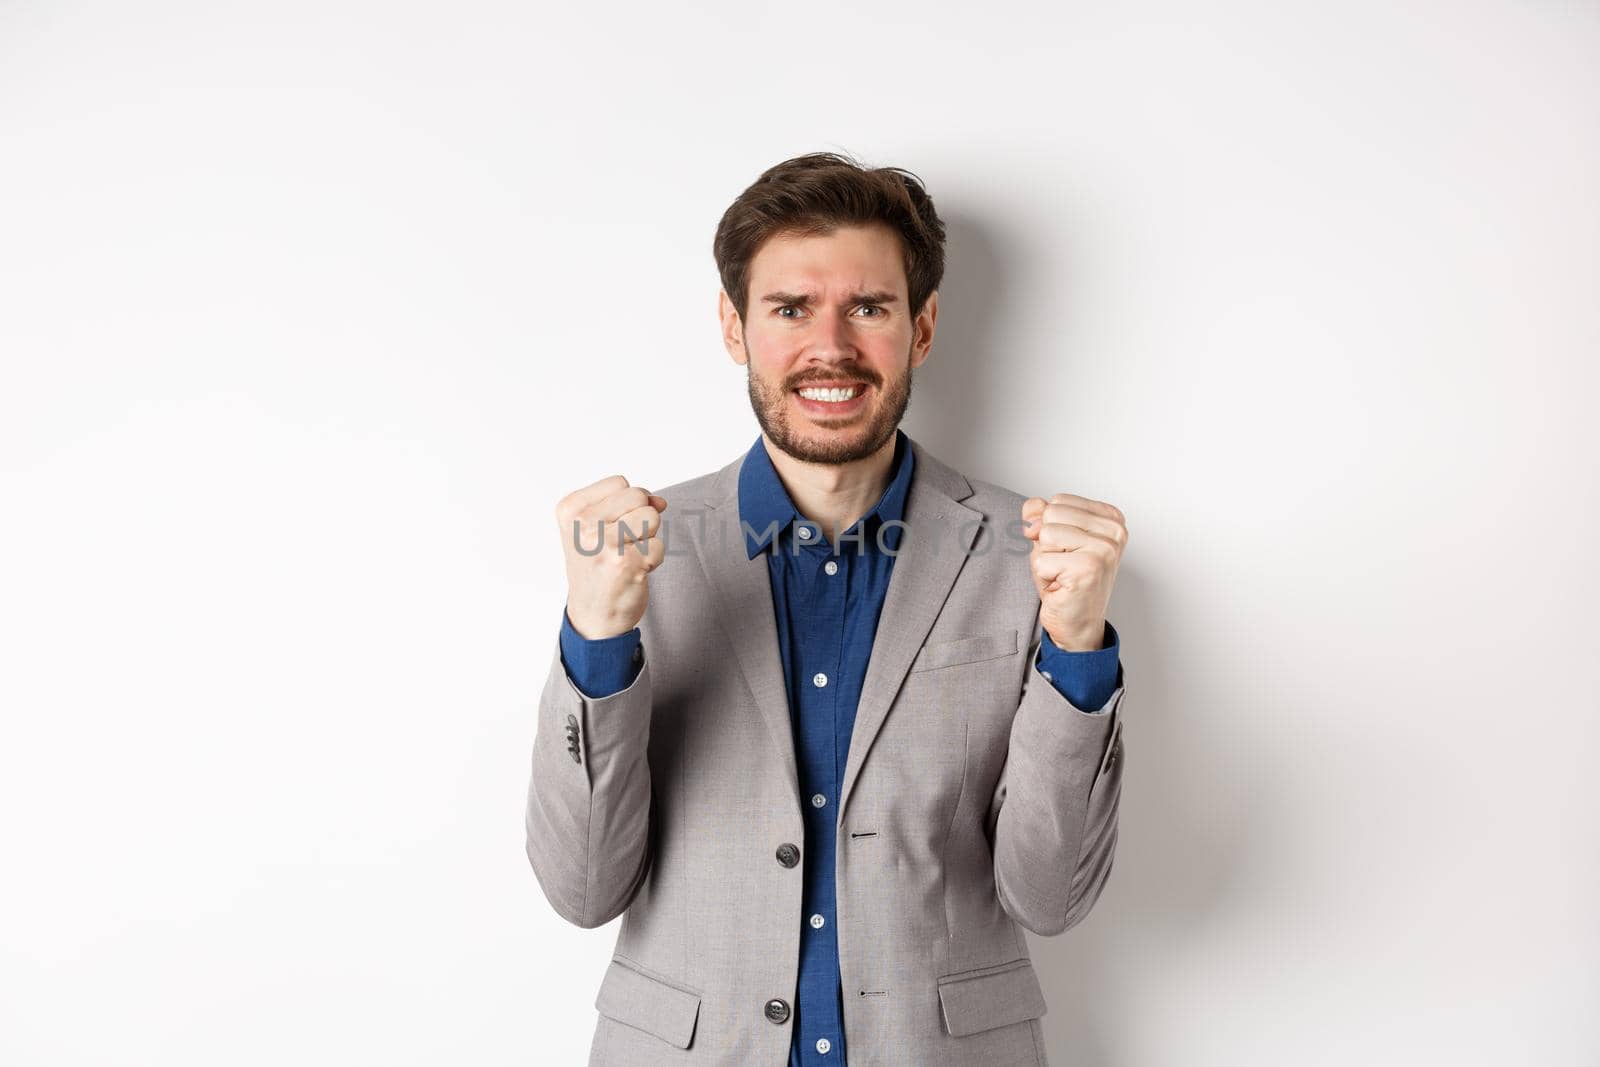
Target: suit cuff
1086,679
600,666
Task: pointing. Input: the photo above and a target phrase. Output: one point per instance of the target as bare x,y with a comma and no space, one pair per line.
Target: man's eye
871,307
787,307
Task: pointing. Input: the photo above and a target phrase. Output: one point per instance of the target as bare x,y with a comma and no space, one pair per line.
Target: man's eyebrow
875,296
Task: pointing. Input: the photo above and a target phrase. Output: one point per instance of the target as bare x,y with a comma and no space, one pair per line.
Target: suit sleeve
1053,817
589,807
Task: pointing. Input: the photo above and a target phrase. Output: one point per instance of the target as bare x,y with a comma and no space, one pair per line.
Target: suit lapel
938,535
742,589
939,532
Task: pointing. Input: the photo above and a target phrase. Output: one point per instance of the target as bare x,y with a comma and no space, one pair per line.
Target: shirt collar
765,508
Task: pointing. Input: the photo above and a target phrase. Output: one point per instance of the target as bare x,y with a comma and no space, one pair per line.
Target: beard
834,446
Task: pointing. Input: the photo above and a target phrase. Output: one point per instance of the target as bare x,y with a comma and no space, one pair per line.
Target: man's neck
833,495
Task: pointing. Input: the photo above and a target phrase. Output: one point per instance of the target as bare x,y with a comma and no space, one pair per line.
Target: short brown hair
815,194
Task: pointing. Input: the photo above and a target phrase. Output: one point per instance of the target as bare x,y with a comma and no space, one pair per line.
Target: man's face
829,311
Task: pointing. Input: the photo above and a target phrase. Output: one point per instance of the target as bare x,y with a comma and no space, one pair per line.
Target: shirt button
804,532
817,800
831,567
823,1045
819,679
777,1010
817,921
1047,676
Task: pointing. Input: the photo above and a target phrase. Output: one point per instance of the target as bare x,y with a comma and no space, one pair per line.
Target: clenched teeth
833,396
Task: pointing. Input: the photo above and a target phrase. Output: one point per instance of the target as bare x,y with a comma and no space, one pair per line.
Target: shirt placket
821,620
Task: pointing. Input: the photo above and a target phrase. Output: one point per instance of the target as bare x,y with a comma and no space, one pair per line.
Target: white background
310,312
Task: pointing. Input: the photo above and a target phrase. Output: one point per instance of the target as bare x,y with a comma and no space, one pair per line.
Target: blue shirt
826,602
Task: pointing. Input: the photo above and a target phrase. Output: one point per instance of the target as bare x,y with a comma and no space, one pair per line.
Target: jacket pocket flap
629,995
965,650
974,1001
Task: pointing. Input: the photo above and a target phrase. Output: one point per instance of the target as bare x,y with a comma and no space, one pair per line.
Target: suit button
778,1010
788,854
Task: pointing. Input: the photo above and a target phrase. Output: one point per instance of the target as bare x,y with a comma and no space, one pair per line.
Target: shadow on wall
958,394
1185,832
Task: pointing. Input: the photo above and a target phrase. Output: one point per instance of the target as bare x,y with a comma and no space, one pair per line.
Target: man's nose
831,339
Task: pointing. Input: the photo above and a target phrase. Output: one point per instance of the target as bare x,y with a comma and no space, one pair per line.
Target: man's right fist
607,590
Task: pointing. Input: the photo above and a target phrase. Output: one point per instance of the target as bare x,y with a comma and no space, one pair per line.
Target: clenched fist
1078,545
607,590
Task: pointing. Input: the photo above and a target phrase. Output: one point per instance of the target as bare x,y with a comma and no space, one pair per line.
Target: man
833,732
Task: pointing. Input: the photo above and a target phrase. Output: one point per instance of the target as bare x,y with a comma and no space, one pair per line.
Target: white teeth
832,396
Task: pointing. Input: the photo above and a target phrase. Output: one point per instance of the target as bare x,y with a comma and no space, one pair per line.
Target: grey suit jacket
976,800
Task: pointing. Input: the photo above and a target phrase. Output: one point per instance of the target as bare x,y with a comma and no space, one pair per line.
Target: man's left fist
1077,547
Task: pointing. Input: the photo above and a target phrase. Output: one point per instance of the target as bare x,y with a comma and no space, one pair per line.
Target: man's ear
922,332
732,328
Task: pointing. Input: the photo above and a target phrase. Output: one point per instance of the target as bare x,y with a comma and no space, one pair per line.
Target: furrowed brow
802,299
876,296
